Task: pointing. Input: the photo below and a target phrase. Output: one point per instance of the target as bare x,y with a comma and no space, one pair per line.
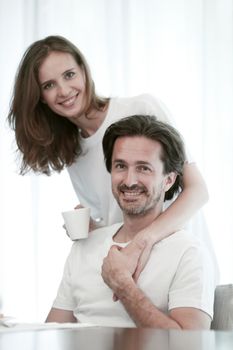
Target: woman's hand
138,252
92,224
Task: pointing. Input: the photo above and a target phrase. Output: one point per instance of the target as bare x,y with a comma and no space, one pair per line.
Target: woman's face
62,83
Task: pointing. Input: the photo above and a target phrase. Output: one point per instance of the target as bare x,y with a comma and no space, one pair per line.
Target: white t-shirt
179,273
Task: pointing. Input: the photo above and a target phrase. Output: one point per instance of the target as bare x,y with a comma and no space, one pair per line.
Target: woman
59,122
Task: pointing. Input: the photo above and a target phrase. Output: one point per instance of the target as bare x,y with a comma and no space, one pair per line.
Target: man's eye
119,166
144,169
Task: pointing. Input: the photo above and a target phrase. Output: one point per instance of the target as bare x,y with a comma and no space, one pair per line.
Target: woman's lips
69,101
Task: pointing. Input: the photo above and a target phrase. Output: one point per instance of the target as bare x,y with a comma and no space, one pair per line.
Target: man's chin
131,206
132,210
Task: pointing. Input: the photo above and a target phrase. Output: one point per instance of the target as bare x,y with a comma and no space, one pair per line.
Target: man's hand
136,255
116,269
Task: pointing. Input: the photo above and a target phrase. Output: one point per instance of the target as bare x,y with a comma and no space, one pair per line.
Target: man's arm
145,314
138,305
60,316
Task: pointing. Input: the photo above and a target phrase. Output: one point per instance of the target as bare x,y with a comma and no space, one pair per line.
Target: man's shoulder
184,249
99,235
183,238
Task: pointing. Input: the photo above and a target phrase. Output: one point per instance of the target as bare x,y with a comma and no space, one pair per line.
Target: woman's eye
48,86
69,75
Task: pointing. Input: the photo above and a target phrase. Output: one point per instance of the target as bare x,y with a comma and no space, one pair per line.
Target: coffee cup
77,223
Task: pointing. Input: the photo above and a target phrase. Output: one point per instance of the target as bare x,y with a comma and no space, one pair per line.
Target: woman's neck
90,122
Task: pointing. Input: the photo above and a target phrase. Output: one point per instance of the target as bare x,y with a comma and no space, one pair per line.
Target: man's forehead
138,147
137,141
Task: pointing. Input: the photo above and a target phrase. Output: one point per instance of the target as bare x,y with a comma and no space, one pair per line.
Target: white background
178,50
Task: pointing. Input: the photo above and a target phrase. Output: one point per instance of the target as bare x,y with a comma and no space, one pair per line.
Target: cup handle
64,226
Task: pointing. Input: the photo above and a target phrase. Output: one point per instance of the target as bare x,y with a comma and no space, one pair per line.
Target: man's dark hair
173,152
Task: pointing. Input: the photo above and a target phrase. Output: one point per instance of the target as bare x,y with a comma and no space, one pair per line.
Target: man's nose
131,178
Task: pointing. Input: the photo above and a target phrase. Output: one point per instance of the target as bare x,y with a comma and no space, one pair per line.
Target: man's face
138,182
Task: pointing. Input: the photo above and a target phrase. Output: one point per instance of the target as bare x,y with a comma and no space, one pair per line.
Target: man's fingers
114,297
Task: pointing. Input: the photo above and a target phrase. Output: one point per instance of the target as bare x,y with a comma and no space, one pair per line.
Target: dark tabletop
99,338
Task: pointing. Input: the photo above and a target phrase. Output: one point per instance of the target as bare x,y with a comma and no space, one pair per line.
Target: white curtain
180,51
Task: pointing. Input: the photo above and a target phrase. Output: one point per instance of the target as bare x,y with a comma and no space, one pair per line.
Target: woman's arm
192,198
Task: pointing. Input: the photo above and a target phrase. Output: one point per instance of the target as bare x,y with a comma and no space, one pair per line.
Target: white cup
77,223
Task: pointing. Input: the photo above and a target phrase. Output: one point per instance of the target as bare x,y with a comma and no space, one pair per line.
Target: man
176,288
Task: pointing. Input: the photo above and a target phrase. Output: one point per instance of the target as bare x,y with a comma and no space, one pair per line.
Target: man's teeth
131,194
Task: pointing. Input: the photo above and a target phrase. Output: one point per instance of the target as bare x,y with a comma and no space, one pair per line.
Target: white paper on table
8,324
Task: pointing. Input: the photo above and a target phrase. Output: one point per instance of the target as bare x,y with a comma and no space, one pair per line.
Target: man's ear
169,181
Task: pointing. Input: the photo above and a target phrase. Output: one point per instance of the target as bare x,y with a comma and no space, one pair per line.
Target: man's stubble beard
140,210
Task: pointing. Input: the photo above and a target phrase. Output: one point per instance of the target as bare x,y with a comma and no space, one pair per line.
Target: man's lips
131,193
130,198
134,189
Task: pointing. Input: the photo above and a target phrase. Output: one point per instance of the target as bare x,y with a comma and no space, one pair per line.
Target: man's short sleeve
194,282
64,299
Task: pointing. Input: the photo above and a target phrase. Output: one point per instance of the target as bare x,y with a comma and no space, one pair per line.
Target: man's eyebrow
119,161
143,162
138,162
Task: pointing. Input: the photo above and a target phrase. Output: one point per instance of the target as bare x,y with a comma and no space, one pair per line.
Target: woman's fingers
79,206
142,261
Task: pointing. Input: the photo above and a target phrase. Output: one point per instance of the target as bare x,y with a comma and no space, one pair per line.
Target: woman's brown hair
46,141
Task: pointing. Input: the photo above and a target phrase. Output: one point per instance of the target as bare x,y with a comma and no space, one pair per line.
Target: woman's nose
63,90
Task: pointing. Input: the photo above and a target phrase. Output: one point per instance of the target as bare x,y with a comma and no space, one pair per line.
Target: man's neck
133,224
